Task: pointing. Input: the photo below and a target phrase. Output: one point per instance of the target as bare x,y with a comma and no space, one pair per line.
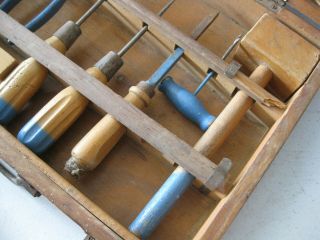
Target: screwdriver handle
100,140
44,128
17,89
186,103
45,15
8,5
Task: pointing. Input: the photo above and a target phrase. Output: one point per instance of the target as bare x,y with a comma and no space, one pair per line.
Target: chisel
66,107
17,89
178,182
99,141
42,18
186,102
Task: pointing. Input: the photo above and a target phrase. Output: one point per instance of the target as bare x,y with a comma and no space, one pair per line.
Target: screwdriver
99,141
178,182
187,103
65,108
8,5
43,17
17,89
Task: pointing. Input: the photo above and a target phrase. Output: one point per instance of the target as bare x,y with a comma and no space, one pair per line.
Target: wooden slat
193,50
228,208
20,158
160,138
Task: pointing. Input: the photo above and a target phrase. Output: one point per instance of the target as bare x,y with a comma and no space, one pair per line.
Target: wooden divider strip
159,137
227,209
193,50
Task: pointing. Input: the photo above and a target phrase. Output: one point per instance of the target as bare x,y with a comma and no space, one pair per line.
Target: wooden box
106,200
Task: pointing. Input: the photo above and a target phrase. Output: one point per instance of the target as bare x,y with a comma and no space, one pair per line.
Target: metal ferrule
110,64
68,33
147,88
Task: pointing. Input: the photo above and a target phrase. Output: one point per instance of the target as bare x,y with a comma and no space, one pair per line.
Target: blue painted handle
8,5
186,103
46,14
161,203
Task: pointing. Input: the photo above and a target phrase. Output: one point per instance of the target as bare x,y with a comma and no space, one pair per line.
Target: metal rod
306,18
165,67
142,31
91,10
211,73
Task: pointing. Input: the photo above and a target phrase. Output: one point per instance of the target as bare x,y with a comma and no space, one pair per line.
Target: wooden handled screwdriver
17,89
42,18
66,107
99,141
177,183
186,102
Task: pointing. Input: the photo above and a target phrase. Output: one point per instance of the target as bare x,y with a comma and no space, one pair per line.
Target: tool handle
18,88
101,139
55,118
231,115
186,103
8,5
45,15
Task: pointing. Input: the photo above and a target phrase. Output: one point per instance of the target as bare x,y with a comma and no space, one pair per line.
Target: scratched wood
111,196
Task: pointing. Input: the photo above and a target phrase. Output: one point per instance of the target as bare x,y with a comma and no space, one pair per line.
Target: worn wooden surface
251,174
195,52
290,57
7,63
22,160
159,137
134,170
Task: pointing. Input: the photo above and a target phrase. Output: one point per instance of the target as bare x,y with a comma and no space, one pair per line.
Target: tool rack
106,200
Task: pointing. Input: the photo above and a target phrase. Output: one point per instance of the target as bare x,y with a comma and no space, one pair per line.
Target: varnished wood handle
17,89
56,117
231,115
99,141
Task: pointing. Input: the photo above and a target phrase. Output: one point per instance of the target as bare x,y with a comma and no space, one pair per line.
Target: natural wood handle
26,79
231,115
64,109
99,141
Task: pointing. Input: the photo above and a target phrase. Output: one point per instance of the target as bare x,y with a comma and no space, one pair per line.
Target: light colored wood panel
7,63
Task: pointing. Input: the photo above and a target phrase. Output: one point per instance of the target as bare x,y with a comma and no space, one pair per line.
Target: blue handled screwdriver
180,179
186,102
100,140
8,5
42,18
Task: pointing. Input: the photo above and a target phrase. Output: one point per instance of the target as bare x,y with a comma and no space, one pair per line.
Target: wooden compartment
105,201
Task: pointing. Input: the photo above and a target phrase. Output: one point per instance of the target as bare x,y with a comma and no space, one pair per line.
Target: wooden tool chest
158,138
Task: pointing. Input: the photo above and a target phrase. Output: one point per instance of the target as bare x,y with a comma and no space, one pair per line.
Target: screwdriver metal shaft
65,108
187,103
18,88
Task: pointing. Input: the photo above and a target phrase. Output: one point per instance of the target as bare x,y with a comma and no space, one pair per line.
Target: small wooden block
7,64
290,57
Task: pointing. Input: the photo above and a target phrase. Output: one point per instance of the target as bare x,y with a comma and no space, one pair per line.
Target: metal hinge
15,178
276,5
232,69
88,237
273,5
